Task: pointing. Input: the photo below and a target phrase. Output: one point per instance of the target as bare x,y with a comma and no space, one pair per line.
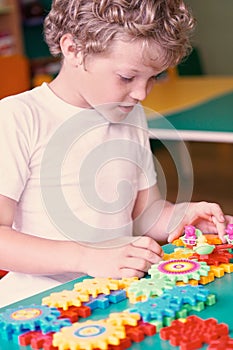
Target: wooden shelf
6,9
15,73
10,23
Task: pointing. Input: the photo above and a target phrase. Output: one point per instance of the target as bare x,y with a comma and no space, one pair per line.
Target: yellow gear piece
65,299
179,254
178,242
123,318
89,335
97,286
227,267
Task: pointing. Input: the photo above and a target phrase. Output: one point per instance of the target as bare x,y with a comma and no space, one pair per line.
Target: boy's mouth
126,108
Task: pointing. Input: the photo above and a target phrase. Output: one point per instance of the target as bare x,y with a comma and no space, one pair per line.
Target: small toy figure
190,235
229,234
193,238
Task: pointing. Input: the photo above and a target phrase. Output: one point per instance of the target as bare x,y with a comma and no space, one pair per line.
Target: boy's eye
159,76
126,79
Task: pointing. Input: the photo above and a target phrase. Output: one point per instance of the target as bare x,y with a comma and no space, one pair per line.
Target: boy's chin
114,112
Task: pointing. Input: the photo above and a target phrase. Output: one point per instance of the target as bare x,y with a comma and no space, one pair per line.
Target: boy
77,173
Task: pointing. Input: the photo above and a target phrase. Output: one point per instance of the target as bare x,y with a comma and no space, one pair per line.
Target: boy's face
118,79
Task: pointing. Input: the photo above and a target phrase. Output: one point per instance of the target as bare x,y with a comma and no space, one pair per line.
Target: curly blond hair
95,23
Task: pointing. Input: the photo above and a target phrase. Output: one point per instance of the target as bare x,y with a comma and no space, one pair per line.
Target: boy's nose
139,93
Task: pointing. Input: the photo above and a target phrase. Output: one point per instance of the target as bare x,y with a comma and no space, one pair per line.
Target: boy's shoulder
25,97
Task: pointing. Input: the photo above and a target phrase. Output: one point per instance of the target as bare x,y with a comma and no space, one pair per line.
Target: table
222,311
195,109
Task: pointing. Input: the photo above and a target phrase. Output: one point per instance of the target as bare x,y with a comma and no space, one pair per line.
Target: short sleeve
14,148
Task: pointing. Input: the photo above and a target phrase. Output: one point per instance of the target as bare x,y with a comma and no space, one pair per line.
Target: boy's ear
69,50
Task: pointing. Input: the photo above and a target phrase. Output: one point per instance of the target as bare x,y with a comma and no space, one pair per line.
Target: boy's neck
62,87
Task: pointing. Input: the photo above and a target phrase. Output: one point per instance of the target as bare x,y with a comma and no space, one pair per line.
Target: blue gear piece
25,318
102,301
117,295
55,326
155,309
187,294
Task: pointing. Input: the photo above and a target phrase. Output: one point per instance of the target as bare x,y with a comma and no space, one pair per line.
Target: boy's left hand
208,217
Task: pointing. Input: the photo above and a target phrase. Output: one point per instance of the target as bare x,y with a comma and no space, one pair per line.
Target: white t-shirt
74,174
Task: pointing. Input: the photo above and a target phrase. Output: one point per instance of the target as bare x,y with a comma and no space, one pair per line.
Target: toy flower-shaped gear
65,299
179,270
149,287
97,286
89,335
27,318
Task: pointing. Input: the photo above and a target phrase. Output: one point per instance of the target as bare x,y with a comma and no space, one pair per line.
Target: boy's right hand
123,257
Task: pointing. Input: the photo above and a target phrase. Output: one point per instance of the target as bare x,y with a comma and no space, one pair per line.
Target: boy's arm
29,254
164,221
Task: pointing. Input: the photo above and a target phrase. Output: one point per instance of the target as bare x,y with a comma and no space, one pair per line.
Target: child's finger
136,263
129,273
220,228
144,254
217,212
149,244
176,233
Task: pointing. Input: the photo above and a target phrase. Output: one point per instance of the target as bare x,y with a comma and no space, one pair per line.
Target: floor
212,166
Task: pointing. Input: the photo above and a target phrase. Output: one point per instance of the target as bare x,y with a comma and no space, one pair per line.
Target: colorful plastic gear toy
187,294
148,287
97,286
89,335
65,298
26,318
155,309
179,270
124,318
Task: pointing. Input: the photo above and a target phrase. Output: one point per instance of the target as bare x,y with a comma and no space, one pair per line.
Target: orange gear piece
97,286
89,335
213,239
207,279
65,299
217,270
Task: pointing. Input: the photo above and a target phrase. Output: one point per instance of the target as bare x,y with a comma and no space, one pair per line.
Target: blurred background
25,62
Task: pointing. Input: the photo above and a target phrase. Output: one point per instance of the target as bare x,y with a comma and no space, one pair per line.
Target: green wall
214,34
33,37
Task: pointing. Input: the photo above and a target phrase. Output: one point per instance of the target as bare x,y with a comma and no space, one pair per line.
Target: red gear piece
74,312
193,332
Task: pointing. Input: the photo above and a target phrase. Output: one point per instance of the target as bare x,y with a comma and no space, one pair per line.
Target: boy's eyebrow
133,70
